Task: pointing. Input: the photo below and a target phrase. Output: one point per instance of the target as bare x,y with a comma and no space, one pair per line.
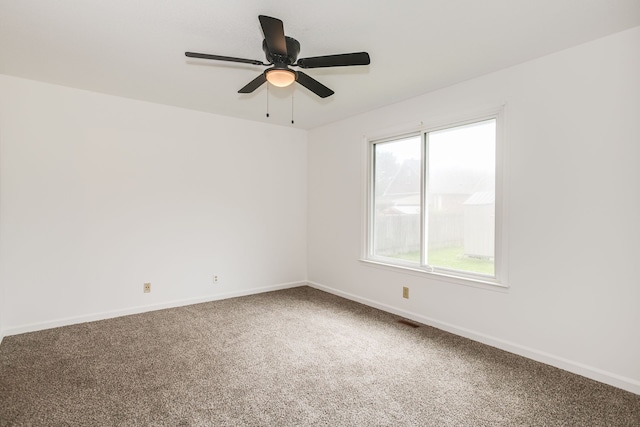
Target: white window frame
499,280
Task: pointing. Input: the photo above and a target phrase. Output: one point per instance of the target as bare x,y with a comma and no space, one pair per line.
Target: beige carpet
294,357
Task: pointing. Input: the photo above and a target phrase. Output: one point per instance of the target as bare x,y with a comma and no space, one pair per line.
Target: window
435,201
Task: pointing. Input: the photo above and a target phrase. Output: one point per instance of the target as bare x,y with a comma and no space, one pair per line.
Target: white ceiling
135,48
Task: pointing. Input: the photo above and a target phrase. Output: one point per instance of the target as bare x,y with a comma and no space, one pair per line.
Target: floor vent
408,323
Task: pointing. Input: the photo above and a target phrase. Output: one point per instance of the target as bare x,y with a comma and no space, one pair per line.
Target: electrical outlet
405,292
147,288
215,279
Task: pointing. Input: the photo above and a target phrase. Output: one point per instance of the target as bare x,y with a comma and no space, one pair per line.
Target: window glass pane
461,198
396,216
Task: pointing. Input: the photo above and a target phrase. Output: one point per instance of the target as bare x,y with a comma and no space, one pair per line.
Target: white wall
2,300
1,304
100,194
573,205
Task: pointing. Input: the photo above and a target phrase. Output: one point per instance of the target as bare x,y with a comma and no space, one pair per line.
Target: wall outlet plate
405,292
147,288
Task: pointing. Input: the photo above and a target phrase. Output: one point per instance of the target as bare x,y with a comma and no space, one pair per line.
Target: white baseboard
591,372
38,326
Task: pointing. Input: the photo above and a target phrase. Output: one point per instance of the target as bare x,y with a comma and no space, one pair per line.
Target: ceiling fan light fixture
280,77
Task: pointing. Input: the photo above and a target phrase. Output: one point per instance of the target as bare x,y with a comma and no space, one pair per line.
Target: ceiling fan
282,52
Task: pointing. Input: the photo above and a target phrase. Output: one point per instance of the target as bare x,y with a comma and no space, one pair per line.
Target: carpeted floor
294,357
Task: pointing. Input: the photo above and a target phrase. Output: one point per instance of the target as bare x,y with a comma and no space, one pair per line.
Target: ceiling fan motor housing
293,49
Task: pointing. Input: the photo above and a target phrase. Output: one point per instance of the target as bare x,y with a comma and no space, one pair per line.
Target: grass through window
454,259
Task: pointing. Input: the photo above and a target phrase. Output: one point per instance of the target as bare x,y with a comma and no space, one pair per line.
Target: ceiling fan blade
342,60
254,84
313,85
273,30
223,58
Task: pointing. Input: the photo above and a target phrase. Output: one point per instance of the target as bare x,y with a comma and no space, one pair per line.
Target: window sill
465,281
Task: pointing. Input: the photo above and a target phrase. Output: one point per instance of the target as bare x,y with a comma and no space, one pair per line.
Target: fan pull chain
267,99
292,91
